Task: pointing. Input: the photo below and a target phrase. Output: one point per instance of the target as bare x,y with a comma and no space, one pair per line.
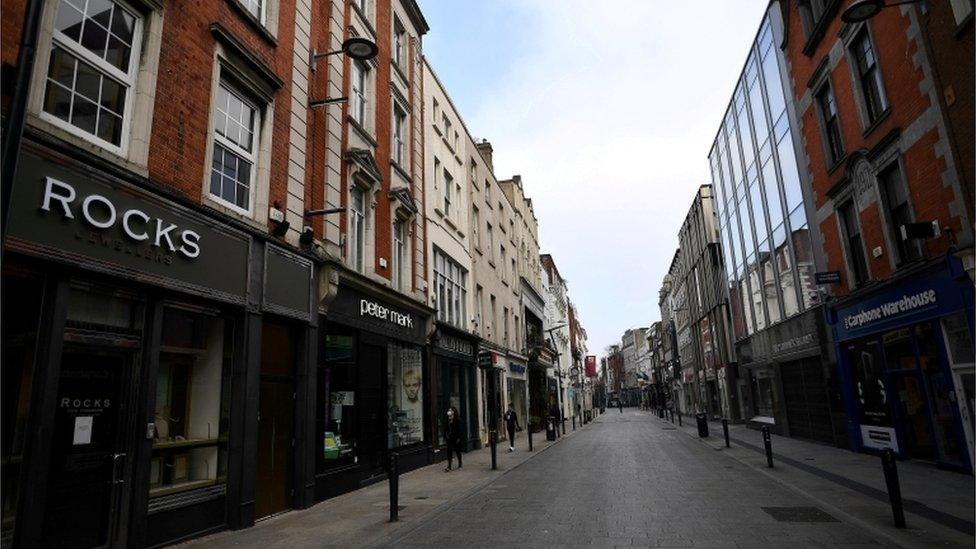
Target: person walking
452,435
512,425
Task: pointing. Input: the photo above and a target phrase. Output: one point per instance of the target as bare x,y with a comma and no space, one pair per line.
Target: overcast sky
608,115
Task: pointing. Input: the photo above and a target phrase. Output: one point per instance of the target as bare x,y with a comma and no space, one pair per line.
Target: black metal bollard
679,418
529,429
672,417
492,437
394,487
564,424
574,423
768,444
890,467
725,430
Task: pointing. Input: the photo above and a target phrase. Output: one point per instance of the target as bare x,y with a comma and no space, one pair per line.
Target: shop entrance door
273,489
88,457
370,409
911,406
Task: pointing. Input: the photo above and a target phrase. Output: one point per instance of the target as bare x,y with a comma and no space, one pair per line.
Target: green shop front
454,357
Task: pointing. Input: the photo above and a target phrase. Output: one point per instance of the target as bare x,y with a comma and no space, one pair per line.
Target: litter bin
702,419
550,428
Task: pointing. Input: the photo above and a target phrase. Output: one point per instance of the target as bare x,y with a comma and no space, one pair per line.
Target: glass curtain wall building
766,245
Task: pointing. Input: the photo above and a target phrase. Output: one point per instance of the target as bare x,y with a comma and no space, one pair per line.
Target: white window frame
360,79
250,156
399,128
476,227
129,80
448,189
356,238
399,43
262,15
399,252
450,281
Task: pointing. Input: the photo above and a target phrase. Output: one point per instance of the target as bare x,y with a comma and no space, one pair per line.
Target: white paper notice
83,430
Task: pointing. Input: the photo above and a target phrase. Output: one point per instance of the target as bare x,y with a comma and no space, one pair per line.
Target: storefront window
959,341
22,298
192,402
764,392
336,415
940,390
405,424
865,360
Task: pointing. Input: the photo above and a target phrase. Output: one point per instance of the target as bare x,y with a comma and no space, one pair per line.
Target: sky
608,115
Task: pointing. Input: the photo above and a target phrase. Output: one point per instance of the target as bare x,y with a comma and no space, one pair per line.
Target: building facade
885,157
555,291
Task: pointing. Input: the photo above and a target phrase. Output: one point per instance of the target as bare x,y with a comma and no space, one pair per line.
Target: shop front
372,387
127,375
906,357
454,364
491,369
517,389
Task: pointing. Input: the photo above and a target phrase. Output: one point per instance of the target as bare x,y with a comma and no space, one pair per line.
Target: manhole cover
799,514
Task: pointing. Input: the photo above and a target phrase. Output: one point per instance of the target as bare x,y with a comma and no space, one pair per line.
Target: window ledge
837,163
403,173
448,145
397,69
363,132
877,122
505,282
450,222
437,129
492,263
478,249
254,23
365,19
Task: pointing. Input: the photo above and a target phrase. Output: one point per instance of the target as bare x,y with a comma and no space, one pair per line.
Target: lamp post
862,10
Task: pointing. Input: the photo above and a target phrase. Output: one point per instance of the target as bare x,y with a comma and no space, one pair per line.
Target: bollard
564,424
679,418
574,423
890,467
529,429
725,430
672,417
492,436
394,487
768,444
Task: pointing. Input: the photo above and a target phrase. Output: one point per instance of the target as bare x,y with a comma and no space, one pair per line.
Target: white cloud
608,114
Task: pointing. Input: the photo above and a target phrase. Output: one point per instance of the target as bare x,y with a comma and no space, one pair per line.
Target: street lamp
356,48
862,10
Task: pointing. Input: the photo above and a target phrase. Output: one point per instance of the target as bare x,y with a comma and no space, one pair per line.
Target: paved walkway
361,518
632,479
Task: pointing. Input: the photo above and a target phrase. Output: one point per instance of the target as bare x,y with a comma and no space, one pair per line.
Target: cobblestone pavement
633,480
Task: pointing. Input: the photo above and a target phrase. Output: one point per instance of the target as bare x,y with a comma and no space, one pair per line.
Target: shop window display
764,393
405,395
940,391
191,412
337,409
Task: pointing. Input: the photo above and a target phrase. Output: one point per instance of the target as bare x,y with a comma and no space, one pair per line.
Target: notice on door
83,430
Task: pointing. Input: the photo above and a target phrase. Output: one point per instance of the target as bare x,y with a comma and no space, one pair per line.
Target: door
912,408
371,409
276,419
88,452
805,396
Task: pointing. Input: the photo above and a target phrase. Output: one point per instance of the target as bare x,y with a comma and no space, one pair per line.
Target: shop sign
827,277
910,303
114,227
590,364
448,342
879,438
516,368
488,359
798,342
366,312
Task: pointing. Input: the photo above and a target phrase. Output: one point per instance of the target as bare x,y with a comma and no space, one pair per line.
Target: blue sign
914,300
828,277
516,368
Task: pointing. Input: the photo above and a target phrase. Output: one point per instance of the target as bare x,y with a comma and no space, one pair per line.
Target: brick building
886,128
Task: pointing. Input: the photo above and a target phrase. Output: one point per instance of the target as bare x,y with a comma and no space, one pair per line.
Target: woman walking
452,435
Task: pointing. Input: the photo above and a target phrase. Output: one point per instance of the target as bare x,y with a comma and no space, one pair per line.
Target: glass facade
756,181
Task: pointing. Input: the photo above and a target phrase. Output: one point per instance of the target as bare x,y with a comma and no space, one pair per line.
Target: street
631,480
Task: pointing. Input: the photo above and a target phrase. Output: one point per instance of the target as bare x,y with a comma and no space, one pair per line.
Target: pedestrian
620,405
452,435
512,424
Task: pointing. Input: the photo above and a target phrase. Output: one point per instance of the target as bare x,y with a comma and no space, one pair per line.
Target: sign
590,365
516,368
287,283
827,277
454,345
114,227
363,311
488,359
907,304
798,342
879,438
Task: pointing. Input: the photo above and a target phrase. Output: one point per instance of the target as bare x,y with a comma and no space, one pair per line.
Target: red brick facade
911,129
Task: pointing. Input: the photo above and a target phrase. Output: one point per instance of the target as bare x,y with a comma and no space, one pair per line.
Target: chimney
484,147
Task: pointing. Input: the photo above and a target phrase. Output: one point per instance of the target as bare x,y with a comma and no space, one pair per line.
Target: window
488,193
336,415
437,172
447,126
456,140
399,253
363,6
191,415
476,227
961,9
514,277
474,171
869,77
479,297
899,211
399,43
404,371
811,11
448,191
93,68
504,264
494,317
359,73
357,227
451,289
399,131
234,148
505,324
255,8
491,243
855,247
435,112
831,125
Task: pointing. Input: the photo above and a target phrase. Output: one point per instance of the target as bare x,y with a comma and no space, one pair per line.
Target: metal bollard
725,430
564,424
492,436
672,417
574,423
394,487
890,467
679,418
768,444
529,429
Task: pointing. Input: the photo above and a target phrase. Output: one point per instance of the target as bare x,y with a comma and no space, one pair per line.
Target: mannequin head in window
411,383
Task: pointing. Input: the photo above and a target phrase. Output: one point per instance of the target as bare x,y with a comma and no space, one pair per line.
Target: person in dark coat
452,435
512,424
